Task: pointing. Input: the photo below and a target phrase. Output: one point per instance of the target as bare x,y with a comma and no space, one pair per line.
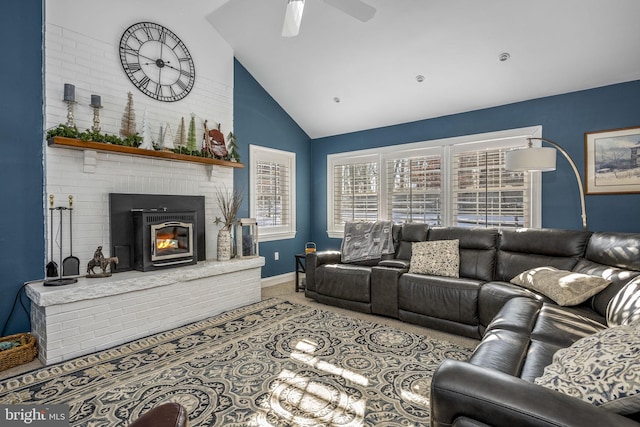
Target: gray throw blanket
366,240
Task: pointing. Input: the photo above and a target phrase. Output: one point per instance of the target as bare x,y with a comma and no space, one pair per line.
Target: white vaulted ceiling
555,46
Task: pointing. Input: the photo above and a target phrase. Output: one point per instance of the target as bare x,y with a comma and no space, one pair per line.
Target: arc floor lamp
543,159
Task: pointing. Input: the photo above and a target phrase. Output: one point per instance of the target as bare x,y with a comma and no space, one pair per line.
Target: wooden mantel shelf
78,144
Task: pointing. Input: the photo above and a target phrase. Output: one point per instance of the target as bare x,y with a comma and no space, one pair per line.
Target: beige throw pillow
566,288
438,257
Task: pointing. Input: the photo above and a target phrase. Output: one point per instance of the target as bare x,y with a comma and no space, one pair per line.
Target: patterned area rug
273,363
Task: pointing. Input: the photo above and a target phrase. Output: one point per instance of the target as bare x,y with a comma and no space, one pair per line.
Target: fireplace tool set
70,266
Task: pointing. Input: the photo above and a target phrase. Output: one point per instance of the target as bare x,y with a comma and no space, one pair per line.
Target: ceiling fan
293,15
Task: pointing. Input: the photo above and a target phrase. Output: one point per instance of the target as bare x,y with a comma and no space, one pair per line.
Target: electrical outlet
276,256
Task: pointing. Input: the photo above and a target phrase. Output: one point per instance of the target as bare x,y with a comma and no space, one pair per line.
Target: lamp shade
531,159
292,18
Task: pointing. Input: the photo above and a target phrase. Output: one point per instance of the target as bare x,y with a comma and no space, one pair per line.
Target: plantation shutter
272,194
414,189
356,192
485,194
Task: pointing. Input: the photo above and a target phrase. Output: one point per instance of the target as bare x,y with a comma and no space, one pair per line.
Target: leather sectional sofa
519,329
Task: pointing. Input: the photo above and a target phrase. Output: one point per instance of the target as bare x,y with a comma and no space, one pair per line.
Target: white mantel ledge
130,281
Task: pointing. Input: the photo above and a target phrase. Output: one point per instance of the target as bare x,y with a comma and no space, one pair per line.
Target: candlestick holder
96,117
70,112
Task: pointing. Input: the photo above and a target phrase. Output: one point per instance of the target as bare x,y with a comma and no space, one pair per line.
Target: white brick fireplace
81,48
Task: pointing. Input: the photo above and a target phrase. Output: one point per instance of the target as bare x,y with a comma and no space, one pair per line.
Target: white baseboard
277,280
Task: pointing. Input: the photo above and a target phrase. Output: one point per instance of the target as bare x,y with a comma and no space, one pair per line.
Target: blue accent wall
21,141
564,119
259,120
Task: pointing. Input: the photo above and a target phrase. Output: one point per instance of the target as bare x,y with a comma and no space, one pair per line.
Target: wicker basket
24,353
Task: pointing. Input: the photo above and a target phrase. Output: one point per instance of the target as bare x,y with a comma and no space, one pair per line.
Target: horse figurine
103,263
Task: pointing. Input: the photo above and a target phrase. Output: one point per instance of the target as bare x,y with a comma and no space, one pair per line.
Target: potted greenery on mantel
70,137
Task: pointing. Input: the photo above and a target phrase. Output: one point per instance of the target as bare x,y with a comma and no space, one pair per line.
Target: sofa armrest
384,290
313,260
460,389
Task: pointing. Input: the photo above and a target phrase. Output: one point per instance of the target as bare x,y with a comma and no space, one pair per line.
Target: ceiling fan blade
292,18
359,10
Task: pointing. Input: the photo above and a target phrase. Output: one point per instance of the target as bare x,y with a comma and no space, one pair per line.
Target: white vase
224,245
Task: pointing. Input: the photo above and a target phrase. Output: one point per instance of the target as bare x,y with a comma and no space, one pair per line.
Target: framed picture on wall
612,161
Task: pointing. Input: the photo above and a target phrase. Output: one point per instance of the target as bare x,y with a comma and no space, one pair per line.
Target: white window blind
356,190
485,194
414,187
458,181
272,194
272,178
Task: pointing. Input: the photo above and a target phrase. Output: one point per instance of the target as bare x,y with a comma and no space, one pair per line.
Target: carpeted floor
274,363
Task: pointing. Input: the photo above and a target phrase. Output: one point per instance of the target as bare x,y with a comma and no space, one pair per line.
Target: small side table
301,262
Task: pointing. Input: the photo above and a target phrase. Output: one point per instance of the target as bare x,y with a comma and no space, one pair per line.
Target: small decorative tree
167,137
147,143
181,135
191,139
128,126
232,147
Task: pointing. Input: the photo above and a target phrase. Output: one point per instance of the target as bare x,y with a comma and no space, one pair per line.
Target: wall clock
157,62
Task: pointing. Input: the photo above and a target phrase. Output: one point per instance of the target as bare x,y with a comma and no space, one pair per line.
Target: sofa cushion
618,277
566,288
411,232
494,295
523,249
345,281
448,298
602,369
523,337
477,249
624,308
439,258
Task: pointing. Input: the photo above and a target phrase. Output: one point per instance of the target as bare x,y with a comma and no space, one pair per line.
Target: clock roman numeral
144,82
172,92
134,67
158,90
140,42
182,84
131,51
162,35
148,33
185,73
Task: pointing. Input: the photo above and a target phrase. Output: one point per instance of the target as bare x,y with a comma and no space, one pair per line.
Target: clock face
157,62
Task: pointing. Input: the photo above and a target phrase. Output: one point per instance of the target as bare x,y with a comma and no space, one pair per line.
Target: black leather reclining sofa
520,330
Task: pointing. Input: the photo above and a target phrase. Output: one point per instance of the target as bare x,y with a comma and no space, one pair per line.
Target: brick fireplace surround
95,314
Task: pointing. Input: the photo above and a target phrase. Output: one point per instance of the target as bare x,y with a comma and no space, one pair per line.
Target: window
355,191
484,193
414,186
272,203
450,182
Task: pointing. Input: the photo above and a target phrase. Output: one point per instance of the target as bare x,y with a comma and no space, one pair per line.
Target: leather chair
166,415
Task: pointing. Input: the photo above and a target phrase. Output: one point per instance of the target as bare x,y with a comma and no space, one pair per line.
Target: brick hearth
96,314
